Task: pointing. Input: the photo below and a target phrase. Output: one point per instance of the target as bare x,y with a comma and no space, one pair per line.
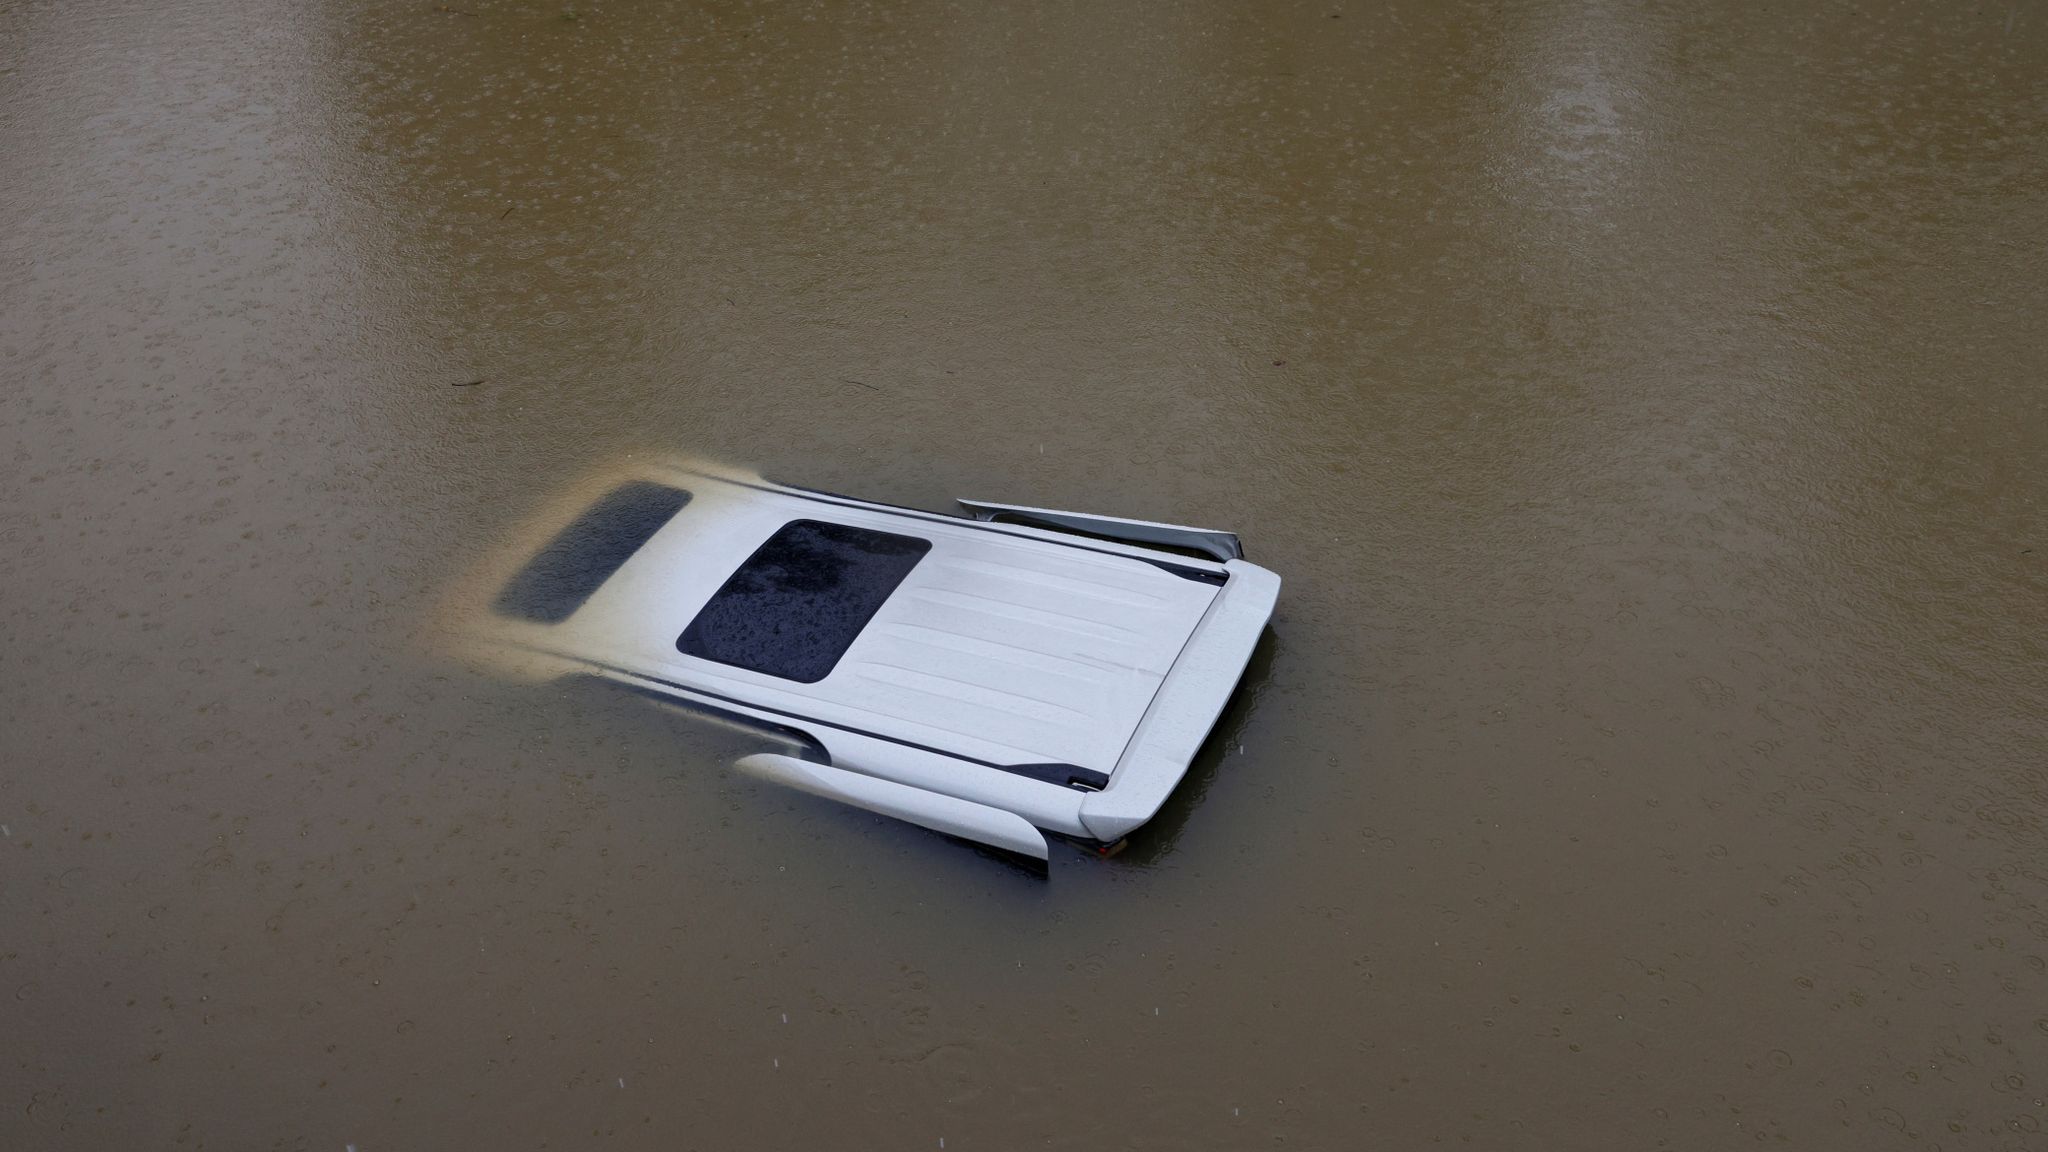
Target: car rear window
562,575
793,609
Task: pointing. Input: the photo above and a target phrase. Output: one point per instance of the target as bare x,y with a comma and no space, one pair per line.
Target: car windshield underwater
996,676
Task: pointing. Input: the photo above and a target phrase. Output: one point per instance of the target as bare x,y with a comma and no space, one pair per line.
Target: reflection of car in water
987,677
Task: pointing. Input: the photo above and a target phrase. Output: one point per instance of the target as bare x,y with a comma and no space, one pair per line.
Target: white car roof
1001,644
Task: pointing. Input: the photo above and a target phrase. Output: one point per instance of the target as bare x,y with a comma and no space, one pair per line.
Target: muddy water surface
1644,405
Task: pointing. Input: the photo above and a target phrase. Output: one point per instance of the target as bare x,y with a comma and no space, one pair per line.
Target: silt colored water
1644,404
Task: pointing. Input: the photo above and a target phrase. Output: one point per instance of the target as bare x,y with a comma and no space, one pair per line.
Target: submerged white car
986,677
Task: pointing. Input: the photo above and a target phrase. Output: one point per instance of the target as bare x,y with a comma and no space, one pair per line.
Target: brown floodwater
1646,406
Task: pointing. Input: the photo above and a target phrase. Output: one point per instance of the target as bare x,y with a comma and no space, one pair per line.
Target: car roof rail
1208,541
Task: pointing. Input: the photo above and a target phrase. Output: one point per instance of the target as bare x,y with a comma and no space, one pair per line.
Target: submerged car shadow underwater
1021,673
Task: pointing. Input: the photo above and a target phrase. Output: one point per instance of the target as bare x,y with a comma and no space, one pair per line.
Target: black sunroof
793,609
562,575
